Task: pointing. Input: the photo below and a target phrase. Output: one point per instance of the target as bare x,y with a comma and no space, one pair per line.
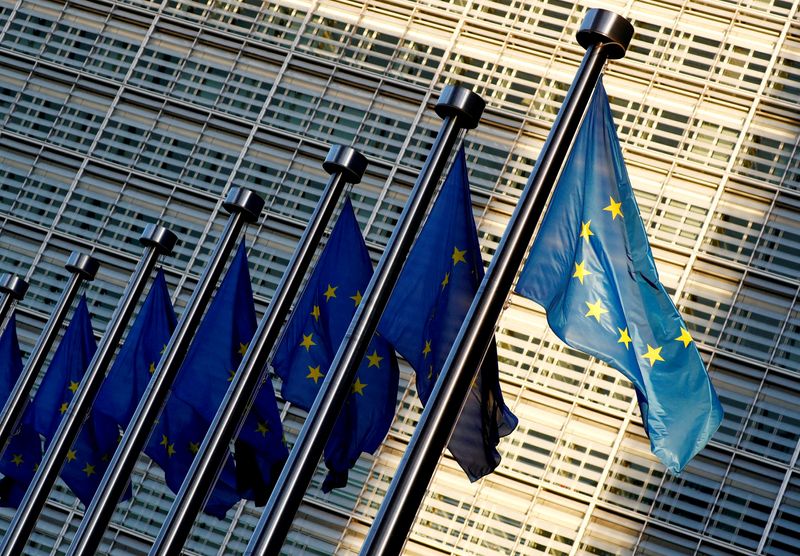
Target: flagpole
244,206
346,165
158,241
83,267
605,35
14,289
461,109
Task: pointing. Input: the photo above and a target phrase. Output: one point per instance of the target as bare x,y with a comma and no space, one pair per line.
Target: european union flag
426,310
591,268
120,393
73,355
312,337
17,463
210,363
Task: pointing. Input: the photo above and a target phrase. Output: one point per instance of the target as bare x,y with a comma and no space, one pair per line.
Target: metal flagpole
158,240
461,109
14,289
345,165
83,267
244,206
605,35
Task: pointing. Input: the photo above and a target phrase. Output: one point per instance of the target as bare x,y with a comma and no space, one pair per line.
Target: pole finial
613,31
244,201
459,102
13,285
351,163
85,265
159,237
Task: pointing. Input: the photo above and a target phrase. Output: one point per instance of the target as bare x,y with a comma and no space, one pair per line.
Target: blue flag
210,363
120,393
426,310
19,459
313,334
43,415
591,268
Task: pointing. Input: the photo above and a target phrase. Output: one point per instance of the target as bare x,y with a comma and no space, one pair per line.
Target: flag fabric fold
591,268
120,392
43,415
312,337
426,310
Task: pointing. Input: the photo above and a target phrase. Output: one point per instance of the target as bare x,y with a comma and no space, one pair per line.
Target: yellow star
586,231
63,408
314,373
595,310
171,450
374,359
330,292
163,349
580,271
624,338
89,469
614,208
73,386
430,371
17,460
262,428
231,374
446,279
194,447
243,348
458,256
356,298
308,341
104,457
358,387
71,455
315,312
152,368
427,349
170,447
653,354
685,337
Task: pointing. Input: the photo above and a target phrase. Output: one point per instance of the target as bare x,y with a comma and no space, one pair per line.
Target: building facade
114,114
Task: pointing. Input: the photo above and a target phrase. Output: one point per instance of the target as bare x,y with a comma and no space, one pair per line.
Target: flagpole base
462,104
13,285
159,238
613,31
84,265
347,161
245,202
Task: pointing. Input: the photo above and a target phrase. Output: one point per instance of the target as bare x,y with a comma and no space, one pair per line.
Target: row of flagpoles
183,391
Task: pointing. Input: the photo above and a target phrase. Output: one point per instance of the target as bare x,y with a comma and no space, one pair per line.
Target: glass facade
114,114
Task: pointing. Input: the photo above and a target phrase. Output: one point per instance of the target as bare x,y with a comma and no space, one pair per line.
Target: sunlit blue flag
24,451
216,351
42,416
313,334
426,310
591,268
124,385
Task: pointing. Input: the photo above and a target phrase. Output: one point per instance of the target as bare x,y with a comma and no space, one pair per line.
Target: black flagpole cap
159,238
244,201
613,31
461,103
85,265
347,161
13,285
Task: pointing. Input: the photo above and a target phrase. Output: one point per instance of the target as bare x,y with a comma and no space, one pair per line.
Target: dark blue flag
120,393
313,334
43,414
426,310
19,459
591,268
202,381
